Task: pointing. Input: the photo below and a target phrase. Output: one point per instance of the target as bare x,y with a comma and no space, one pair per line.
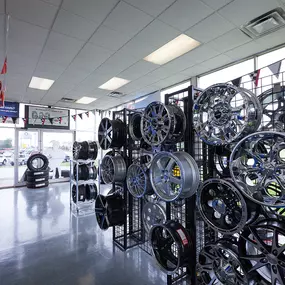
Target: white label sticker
40,179
40,185
182,236
81,197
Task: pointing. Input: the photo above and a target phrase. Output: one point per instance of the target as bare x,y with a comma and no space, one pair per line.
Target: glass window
226,74
174,89
85,136
86,123
271,57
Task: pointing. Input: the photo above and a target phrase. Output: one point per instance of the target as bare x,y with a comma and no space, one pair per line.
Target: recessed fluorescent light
172,49
114,83
41,83
140,99
85,100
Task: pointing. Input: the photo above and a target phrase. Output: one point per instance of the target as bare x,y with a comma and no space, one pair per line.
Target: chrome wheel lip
244,216
113,169
228,116
242,185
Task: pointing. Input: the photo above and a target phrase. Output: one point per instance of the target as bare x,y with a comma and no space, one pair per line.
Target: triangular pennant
24,120
51,120
74,117
93,112
4,119
109,113
80,116
255,76
87,114
4,68
275,68
2,98
60,119
236,82
0,85
99,112
43,121
14,119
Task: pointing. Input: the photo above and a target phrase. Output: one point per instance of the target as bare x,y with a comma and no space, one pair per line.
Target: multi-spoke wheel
113,169
258,171
111,133
222,206
171,246
80,150
219,264
174,175
138,181
224,113
153,214
273,105
263,245
109,210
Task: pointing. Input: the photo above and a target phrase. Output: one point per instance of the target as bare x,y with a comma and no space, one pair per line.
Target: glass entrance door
57,146
28,143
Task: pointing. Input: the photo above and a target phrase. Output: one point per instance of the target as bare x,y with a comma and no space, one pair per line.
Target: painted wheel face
138,182
174,175
224,113
257,166
273,104
222,206
219,264
153,214
171,246
263,245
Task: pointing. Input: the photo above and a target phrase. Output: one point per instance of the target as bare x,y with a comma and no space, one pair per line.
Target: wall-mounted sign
11,109
47,118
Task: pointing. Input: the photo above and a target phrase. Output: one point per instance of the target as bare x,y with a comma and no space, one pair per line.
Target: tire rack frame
130,233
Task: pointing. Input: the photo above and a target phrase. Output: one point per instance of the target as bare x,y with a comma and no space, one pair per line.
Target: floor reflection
42,242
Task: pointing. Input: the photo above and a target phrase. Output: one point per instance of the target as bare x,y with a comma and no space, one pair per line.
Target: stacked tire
37,173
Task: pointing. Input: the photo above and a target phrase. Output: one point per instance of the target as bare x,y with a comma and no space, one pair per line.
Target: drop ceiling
82,44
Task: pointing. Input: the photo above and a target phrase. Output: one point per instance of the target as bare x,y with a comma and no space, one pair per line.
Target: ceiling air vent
115,94
67,100
265,24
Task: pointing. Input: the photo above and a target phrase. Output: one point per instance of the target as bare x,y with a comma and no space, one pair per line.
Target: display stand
80,206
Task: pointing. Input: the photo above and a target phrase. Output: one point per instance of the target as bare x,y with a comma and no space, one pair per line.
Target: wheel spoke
175,180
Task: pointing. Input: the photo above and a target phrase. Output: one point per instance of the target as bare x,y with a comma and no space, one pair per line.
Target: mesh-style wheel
138,181
174,175
153,214
263,245
171,246
259,172
222,206
219,264
80,150
273,105
135,126
224,113
111,133
113,169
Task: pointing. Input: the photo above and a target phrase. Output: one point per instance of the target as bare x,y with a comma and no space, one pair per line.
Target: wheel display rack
79,205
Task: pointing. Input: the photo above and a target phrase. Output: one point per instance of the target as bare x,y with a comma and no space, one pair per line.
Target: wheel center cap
219,206
165,176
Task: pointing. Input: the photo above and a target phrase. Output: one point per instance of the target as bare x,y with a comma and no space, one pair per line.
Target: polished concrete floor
43,243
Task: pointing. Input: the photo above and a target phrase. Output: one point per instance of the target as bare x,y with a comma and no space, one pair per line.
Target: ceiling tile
181,63
240,12
2,6
127,19
216,4
17,83
230,40
91,57
137,45
74,26
195,70
31,11
73,75
152,7
174,79
61,87
217,61
34,94
53,2
61,49
183,14
137,70
20,64
244,50
116,63
210,28
95,10
109,38
50,70
48,101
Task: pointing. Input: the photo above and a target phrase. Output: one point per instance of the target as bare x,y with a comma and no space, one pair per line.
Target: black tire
37,156
80,150
37,173
36,179
91,192
83,172
92,150
65,173
37,185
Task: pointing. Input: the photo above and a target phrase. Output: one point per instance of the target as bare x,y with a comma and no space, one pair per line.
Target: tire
65,173
37,156
37,185
91,192
37,173
36,179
